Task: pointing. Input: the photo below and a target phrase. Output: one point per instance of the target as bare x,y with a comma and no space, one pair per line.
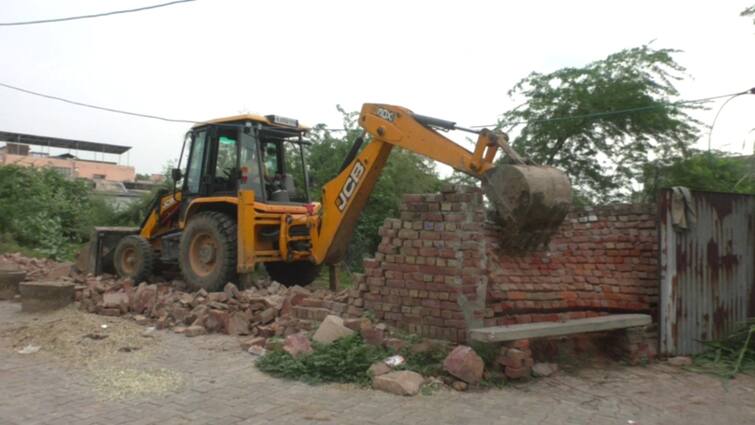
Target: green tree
749,12
711,171
603,152
405,172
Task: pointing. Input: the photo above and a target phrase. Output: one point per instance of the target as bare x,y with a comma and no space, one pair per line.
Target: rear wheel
208,251
295,273
134,258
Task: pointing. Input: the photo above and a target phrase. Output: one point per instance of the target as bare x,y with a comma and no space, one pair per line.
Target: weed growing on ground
731,355
344,360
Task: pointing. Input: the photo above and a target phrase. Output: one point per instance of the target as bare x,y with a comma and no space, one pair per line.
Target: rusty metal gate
707,278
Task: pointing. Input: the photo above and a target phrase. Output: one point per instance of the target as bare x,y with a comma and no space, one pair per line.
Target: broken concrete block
517,372
231,291
544,369
238,323
331,329
257,340
464,364
115,300
195,330
45,296
378,368
297,345
402,382
680,361
372,335
144,299
394,344
217,321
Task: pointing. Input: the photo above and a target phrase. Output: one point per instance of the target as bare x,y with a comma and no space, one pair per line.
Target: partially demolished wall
439,269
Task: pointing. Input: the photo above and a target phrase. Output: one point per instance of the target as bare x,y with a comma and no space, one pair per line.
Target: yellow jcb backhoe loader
242,198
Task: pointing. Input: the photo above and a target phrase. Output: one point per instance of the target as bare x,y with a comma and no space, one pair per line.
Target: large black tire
134,258
207,252
300,273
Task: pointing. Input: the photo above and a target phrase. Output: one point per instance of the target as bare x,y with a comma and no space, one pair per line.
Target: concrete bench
568,327
45,296
9,280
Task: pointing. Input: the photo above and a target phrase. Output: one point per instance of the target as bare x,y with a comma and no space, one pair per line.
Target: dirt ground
92,369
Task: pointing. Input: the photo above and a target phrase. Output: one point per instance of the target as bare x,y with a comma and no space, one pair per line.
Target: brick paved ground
220,385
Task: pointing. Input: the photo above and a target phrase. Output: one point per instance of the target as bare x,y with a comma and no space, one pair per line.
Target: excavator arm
531,201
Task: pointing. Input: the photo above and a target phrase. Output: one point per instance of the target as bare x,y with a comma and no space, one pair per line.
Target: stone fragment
297,345
513,357
354,324
217,321
274,288
144,299
544,369
265,316
517,372
141,320
117,300
257,350
238,323
248,342
463,363
402,382
372,335
217,297
331,329
680,361
195,330
394,344
231,291
378,368
459,385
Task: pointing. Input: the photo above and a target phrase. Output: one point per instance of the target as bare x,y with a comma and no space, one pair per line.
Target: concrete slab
546,329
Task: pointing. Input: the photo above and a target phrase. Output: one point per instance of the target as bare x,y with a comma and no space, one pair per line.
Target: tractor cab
264,154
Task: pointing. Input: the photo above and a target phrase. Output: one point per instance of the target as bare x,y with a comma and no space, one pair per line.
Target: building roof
56,142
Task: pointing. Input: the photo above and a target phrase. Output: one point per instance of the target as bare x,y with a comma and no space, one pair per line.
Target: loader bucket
96,257
530,201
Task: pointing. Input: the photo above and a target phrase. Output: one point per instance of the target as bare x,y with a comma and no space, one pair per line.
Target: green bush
47,213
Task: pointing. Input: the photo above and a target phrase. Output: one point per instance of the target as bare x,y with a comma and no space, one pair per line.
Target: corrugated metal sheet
707,277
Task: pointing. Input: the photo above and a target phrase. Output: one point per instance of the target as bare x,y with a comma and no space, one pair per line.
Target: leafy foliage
603,152
750,12
711,171
43,211
344,360
404,172
46,214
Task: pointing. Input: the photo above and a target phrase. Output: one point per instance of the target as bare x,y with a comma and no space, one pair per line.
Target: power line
96,15
185,121
721,108
101,108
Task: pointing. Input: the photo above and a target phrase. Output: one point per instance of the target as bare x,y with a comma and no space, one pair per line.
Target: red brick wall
439,271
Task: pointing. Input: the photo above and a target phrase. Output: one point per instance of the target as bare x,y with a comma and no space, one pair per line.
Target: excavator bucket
96,257
531,202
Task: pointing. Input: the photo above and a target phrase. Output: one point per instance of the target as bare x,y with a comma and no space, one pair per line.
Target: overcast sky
450,59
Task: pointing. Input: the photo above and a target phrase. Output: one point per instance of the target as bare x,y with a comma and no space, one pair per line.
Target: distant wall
439,269
74,168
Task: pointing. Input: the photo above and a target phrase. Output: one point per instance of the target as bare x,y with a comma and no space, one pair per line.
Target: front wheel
207,253
300,273
133,258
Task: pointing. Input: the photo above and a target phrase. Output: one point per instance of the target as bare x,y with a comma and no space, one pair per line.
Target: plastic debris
394,361
103,326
